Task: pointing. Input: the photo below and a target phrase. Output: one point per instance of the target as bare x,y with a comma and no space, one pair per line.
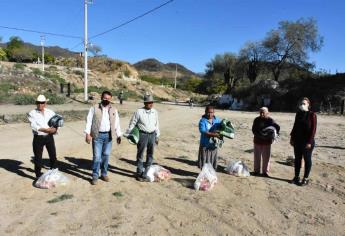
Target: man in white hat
146,119
43,134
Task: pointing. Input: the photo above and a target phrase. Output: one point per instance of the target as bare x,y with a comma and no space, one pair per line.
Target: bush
55,99
54,77
78,72
19,66
52,68
36,71
24,99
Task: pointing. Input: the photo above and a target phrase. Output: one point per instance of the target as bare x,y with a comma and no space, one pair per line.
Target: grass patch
118,194
61,198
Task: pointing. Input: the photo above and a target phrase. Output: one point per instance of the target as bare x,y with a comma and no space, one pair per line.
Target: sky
189,32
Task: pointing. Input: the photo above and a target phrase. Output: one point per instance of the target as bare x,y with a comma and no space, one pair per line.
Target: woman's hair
305,99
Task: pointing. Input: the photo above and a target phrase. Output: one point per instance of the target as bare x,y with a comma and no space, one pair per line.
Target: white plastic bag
50,179
158,173
237,168
206,179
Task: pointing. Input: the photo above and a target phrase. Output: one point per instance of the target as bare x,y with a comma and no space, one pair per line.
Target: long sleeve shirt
145,120
105,122
205,126
258,125
304,128
39,120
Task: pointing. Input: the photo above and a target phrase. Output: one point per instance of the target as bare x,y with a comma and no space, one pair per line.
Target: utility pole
86,97
43,38
175,75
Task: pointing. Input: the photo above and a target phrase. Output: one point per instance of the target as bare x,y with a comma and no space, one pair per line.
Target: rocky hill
17,79
153,67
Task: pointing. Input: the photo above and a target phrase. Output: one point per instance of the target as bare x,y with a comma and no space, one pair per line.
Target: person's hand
118,140
308,146
157,141
52,130
88,138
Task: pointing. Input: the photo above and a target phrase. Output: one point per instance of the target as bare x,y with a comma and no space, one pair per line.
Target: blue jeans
101,151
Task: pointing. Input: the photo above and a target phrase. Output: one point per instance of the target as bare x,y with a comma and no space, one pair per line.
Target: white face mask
303,107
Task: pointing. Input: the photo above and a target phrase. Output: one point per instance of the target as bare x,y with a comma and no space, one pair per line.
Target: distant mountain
53,50
153,67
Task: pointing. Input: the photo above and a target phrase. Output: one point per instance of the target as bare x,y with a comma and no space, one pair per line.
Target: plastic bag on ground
51,179
206,179
238,168
157,173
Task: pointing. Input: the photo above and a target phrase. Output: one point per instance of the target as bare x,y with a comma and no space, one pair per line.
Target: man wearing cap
43,134
102,126
146,119
263,141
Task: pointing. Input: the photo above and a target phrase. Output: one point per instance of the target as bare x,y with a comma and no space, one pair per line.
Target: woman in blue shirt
207,126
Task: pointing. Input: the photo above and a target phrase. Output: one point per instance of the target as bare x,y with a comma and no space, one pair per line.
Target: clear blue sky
189,32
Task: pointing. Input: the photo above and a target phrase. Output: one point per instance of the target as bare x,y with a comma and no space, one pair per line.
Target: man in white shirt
43,134
146,119
102,126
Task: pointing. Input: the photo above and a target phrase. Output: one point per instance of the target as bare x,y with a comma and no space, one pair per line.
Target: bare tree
291,43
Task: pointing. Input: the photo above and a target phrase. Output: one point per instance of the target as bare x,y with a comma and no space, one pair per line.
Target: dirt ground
236,206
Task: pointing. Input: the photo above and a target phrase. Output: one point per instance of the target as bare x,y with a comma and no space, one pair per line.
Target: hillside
28,79
155,68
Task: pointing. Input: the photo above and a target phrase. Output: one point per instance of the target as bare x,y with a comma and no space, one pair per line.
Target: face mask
303,107
105,102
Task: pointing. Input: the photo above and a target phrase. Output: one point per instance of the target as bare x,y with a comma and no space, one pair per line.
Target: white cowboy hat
41,98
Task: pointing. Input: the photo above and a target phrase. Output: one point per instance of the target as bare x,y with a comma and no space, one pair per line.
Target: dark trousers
301,152
38,143
146,141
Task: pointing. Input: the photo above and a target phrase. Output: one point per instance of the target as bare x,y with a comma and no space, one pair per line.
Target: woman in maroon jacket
302,139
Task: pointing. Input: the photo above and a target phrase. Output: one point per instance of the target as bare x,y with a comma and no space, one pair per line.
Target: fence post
68,89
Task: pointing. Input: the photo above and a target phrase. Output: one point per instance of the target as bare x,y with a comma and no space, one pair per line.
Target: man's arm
133,122
87,130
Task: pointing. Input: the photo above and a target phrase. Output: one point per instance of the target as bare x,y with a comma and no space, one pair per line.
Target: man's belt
141,131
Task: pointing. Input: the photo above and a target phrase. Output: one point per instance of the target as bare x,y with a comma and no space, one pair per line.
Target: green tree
22,54
291,43
3,54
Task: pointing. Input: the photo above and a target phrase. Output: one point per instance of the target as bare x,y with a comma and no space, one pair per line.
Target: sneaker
255,173
94,181
304,182
295,180
105,178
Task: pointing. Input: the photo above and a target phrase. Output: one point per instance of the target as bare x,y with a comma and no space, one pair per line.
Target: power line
41,32
125,23
133,19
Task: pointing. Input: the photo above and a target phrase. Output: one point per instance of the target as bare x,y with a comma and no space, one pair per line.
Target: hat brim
47,100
